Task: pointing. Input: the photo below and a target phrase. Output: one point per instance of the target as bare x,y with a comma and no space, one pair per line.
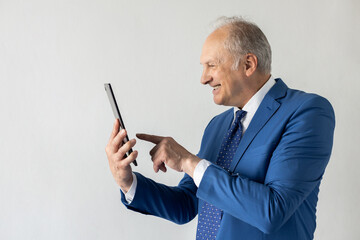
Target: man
260,164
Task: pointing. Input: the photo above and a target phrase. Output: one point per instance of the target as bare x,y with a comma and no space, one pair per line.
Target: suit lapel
266,110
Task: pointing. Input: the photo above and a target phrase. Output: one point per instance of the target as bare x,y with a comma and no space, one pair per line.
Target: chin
218,101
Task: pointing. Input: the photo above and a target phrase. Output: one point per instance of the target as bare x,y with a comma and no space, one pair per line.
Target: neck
257,81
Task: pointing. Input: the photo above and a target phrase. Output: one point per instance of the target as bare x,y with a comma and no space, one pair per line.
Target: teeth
216,87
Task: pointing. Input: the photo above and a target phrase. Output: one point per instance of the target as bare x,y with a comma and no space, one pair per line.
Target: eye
211,65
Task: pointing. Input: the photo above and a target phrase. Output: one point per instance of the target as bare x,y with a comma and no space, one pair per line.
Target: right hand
115,151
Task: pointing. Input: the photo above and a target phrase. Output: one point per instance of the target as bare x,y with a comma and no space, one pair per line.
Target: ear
250,64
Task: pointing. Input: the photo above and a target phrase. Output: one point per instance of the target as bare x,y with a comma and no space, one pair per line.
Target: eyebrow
210,61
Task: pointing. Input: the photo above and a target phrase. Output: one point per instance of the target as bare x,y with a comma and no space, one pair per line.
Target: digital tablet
117,114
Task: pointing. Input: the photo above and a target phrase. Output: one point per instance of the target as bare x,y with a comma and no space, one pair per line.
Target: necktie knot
239,115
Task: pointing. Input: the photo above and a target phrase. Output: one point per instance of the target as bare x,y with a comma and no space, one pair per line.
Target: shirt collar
253,104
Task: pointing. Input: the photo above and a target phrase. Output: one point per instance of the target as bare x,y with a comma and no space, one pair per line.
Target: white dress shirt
250,107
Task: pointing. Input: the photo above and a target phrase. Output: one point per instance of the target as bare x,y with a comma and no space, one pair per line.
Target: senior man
260,164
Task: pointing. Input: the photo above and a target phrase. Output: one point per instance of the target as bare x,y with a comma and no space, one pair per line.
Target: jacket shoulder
220,118
301,99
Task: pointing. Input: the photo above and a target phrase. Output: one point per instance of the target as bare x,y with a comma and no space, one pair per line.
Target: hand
115,151
168,152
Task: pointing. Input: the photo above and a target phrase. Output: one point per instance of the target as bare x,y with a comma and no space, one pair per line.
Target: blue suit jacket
271,189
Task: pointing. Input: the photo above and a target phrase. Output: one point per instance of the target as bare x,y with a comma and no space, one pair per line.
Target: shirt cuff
200,170
129,196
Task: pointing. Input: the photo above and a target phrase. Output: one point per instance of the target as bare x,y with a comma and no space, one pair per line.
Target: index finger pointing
150,138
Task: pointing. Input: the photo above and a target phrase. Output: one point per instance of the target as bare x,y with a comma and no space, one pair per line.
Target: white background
56,120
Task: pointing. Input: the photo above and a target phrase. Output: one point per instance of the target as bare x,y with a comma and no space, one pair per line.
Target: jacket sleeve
178,204
295,169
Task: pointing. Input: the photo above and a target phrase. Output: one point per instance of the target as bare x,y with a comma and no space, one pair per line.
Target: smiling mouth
216,87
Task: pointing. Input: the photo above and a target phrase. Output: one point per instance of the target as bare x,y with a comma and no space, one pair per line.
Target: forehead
213,48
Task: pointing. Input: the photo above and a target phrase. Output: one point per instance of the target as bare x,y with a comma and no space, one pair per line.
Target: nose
205,77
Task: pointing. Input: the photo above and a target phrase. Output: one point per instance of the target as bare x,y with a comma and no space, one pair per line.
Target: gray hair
246,37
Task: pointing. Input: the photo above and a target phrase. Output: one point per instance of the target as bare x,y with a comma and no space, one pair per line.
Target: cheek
236,89
227,84
215,74
235,82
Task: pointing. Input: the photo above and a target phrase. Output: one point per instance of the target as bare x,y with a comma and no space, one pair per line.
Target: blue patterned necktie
209,215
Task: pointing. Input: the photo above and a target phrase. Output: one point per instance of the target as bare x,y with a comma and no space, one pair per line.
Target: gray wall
56,120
